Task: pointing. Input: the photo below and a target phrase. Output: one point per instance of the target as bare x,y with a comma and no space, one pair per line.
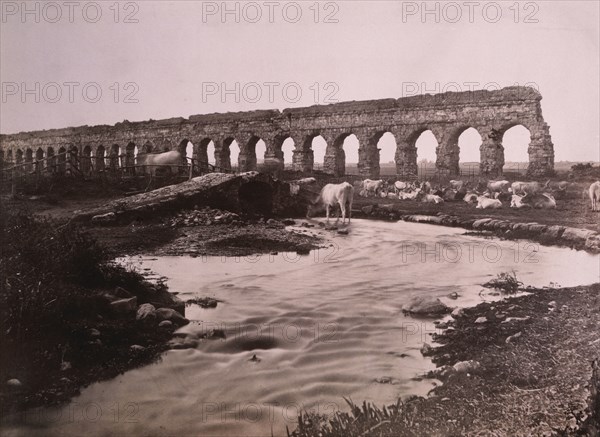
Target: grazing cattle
458,185
528,187
402,186
450,194
372,187
331,195
487,203
295,185
411,195
428,198
156,161
471,198
594,193
498,186
540,201
517,202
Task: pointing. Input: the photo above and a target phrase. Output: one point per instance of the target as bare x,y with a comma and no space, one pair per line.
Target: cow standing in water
331,195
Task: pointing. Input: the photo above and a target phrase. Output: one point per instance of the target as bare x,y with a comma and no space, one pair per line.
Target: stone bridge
446,115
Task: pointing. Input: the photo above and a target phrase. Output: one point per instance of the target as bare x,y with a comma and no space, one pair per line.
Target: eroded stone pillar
368,154
491,159
303,160
406,160
541,151
447,161
222,155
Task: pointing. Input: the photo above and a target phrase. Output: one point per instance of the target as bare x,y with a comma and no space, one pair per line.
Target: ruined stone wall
446,115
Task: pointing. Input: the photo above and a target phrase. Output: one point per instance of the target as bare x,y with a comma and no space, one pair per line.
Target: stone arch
458,142
425,163
19,157
385,142
223,154
516,135
129,158
335,155
186,148
248,160
286,149
9,157
86,160
147,148
100,158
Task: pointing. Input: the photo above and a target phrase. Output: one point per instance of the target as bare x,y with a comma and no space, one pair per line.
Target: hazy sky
179,55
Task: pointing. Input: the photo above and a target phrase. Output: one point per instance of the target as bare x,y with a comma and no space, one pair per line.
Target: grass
52,294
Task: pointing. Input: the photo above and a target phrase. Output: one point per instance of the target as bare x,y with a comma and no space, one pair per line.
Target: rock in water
426,306
171,315
13,382
144,311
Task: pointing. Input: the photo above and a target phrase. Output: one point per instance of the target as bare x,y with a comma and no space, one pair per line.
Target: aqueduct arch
447,115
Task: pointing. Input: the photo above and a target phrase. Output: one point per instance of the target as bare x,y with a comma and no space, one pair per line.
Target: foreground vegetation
58,331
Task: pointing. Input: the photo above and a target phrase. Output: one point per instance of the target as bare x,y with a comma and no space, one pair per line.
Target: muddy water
303,332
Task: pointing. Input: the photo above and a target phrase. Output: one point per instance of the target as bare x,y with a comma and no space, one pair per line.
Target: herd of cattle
485,195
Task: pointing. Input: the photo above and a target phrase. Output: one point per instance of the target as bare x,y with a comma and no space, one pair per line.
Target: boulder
124,306
479,224
171,315
14,382
457,312
426,306
166,324
576,235
481,320
554,231
145,311
593,243
136,348
466,366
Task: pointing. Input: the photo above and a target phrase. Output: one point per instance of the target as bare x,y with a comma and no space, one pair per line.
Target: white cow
528,187
498,186
458,185
517,202
471,198
331,195
408,195
428,198
487,203
594,193
156,161
372,187
540,201
402,186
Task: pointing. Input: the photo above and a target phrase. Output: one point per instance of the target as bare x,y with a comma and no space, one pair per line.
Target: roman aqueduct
446,115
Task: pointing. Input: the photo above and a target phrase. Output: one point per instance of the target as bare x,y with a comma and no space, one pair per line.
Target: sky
103,62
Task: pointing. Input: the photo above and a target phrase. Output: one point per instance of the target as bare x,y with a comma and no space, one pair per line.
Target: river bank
517,367
238,236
